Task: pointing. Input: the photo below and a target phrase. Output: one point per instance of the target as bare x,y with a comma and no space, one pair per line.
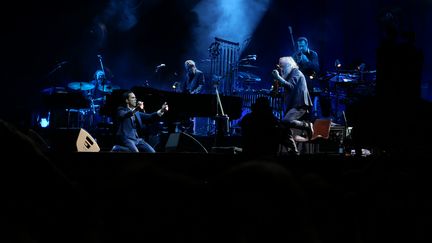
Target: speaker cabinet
71,140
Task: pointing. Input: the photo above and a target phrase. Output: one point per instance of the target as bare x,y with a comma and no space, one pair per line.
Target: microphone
175,85
361,67
60,64
250,58
99,56
159,66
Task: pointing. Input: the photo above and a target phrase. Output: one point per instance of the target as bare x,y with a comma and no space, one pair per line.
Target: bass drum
67,118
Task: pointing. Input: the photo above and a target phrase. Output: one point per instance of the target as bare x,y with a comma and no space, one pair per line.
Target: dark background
37,36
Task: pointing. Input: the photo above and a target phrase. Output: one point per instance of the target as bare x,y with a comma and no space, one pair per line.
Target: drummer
97,95
102,87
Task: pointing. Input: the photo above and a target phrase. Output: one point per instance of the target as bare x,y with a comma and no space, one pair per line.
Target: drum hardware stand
338,65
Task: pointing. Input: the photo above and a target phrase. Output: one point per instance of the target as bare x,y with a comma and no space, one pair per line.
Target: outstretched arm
123,112
163,109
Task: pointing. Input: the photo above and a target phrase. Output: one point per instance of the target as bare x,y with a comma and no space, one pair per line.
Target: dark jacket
193,84
297,94
127,128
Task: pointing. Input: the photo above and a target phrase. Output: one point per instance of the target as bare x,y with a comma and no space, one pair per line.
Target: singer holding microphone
297,100
308,62
306,59
131,118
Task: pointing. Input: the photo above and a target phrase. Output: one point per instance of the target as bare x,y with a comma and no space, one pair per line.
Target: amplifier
337,134
332,145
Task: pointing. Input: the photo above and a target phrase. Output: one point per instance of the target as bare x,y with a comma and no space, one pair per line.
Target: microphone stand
103,70
103,89
222,120
57,67
292,39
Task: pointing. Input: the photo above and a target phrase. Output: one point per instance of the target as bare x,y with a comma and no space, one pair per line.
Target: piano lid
180,104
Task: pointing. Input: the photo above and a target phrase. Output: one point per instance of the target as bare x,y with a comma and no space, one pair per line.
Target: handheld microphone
252,57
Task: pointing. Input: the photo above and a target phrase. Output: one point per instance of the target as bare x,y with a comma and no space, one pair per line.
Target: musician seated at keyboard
193,84
297,99
194,81
130,119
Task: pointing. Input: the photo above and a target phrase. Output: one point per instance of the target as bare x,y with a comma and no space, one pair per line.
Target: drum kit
348,81
80,86
84,86
346,87
73,106
246,75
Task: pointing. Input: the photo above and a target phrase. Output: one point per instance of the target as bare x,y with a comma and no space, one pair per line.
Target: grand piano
180,105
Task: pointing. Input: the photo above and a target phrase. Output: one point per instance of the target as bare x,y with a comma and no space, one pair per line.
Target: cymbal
52,90
343,78
81,86
371,71
248,77
248,66
108,87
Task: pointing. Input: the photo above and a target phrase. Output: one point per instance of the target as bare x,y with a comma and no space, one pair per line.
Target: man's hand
303,58
140,104
164,107
275,73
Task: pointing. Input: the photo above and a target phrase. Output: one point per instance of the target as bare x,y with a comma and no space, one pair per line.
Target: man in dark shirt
194,84
194,81
308,63
307,60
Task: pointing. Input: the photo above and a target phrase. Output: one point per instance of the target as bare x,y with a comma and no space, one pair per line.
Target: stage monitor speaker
86,143
183,142
71,140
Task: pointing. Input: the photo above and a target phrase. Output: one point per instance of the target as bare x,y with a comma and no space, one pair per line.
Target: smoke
117,15
122,13
233,20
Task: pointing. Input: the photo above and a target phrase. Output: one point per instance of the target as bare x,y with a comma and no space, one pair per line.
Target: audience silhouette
259,129
42,203
397,96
